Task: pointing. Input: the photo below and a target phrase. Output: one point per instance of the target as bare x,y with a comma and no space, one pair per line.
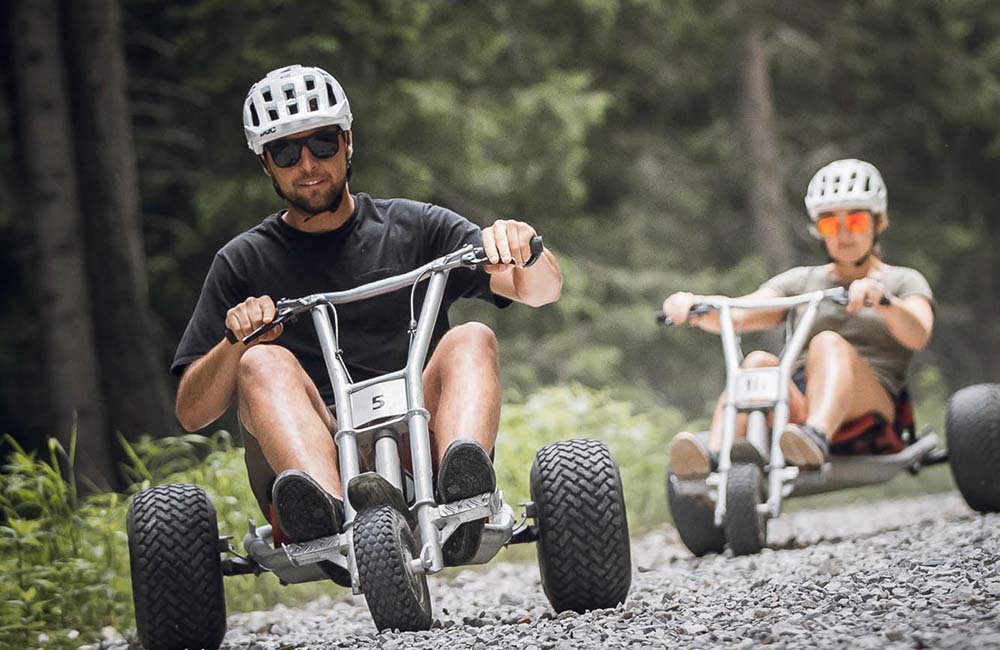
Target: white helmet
293,99
848,183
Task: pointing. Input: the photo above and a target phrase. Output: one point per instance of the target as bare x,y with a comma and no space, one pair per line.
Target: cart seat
872,434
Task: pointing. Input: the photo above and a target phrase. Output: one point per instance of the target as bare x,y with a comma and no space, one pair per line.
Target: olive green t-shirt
866,329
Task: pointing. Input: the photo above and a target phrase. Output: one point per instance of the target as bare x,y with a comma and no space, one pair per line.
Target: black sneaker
305,510
466,470
804,445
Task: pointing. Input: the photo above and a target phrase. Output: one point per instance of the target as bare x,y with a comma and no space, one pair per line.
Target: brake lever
842,299
281,317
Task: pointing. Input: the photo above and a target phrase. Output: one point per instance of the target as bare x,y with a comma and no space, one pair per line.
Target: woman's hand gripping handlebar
289,310
697,309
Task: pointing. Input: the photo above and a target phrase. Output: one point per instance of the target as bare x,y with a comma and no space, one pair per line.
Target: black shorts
799,379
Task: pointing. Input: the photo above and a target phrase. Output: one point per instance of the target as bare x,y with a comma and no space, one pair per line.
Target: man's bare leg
282,409
462,394
462,388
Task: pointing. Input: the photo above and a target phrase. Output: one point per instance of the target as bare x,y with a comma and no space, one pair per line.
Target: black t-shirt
384,237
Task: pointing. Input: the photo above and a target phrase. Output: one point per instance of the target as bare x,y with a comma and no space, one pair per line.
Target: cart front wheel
384,547
745,523
176,566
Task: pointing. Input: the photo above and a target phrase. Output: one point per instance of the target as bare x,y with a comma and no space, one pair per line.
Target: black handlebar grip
260,331
697,309
537,247
700,309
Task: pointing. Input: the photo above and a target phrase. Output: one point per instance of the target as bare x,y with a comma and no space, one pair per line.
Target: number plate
383,400
756,387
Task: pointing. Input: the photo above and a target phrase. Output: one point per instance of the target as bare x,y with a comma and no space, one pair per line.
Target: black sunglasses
287,151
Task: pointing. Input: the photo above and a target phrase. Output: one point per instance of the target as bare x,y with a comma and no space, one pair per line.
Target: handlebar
467,256
836,294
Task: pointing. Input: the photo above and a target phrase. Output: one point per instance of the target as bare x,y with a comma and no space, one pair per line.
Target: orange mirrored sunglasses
857,221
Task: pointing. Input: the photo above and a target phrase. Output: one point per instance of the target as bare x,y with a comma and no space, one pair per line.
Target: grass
65,559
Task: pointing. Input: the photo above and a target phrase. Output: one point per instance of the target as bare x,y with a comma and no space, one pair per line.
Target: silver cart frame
375,413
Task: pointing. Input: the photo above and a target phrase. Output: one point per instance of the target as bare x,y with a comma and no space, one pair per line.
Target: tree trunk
50,199
766,192
133,376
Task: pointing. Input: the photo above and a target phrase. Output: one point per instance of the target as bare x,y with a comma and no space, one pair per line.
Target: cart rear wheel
584,555
694,518
973,432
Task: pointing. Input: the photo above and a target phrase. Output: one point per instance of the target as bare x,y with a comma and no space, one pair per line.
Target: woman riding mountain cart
856,360
838,388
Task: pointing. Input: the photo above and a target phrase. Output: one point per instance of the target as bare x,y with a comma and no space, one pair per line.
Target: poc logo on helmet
270,130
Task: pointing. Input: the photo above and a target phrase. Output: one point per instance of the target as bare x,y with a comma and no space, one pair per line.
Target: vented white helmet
848,183
293,99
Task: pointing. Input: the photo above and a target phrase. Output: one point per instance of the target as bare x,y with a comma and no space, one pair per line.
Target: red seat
279,536
871,434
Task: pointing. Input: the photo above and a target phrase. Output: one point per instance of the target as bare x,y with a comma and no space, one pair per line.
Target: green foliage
638,442
65,564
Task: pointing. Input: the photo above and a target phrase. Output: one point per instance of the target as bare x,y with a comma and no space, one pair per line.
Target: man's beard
325,202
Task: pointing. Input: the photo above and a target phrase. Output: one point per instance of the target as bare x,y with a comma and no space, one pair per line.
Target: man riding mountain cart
367,474
329,239
833,410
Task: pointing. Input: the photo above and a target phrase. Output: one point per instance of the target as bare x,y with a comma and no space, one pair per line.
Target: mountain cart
394,527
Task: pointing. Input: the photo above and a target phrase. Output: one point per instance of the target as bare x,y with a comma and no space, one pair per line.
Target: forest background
657,146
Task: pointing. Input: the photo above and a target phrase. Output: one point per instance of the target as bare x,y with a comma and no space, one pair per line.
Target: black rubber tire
176,565
584,555
694,519
397,598
745,527
973,432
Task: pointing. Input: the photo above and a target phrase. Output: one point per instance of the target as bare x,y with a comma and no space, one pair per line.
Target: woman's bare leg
840,385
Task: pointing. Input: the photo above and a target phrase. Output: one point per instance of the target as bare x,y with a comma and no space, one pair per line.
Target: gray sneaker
689,456
804,445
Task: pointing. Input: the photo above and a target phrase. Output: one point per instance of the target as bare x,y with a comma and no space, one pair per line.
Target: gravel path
910,573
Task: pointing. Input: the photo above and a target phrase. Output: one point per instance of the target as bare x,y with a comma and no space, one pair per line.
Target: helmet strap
868,253
861,260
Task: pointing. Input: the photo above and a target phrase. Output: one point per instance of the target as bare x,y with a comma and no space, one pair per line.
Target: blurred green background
657,146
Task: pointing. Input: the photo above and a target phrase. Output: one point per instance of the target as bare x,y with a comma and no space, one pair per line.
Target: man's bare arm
507,244
208,386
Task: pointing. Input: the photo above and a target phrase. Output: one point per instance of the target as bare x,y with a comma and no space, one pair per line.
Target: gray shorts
262,476
259,471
